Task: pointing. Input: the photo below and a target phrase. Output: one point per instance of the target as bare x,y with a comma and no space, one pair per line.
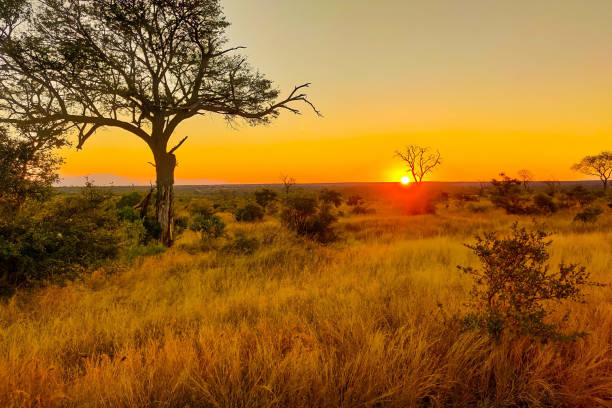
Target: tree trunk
164,165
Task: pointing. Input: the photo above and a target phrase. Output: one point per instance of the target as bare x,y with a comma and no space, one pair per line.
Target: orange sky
495,86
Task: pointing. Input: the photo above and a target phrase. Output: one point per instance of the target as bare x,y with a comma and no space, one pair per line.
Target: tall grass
364,322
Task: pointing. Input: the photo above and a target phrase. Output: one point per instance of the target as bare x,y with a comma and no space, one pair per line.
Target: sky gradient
495,86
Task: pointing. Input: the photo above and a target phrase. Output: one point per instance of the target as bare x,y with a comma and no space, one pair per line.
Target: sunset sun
405,180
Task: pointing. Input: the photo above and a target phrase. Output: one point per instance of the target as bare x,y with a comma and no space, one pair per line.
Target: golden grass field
362,322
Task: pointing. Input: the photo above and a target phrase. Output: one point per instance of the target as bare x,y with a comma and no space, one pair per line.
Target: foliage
210,227
307,217
330,197
77,66
599,165
67,237
362,210
265,196
28,167
589,214
129,200
508,194
354,200
243,245
250,213
544,204
581,195
514,284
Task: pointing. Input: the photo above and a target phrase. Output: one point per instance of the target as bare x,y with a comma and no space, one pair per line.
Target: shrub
264,197
478,208
129,200
589,214
508,194
354,200
581,195
127,213
544,204
306,217
514,284
330,197
210,227
201,207
359,209
64,238
250,213
243,245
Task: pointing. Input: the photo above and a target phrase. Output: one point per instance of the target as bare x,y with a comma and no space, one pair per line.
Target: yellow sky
494,85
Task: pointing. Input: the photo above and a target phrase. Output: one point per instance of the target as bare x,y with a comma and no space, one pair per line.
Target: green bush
514,285
210,227
250,213
64,238
589,214
129,200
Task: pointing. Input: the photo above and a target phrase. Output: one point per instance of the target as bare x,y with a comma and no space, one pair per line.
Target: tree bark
165,164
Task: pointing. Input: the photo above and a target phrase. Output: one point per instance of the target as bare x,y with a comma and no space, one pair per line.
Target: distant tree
288,182
599,165
264,197
420,161
142,66
553,186
330,197
507,194
28,166
526,177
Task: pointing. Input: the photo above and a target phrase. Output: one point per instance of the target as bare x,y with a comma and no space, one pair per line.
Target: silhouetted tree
420,161
288,182
526,177
142,66
599,165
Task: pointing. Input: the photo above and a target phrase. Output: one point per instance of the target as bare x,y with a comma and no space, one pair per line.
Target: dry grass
354,324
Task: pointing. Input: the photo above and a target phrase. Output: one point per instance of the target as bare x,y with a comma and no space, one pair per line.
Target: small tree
265,196
526,177
288,182
514,285
420,161
599,165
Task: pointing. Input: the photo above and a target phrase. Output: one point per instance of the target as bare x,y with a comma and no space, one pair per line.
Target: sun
405,180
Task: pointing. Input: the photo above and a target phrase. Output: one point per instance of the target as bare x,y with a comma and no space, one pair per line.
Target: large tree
599,165
143,66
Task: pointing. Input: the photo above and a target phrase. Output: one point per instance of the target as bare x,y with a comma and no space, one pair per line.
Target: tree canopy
143,66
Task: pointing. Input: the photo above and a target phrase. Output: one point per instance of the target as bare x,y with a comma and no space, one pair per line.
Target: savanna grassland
364,321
